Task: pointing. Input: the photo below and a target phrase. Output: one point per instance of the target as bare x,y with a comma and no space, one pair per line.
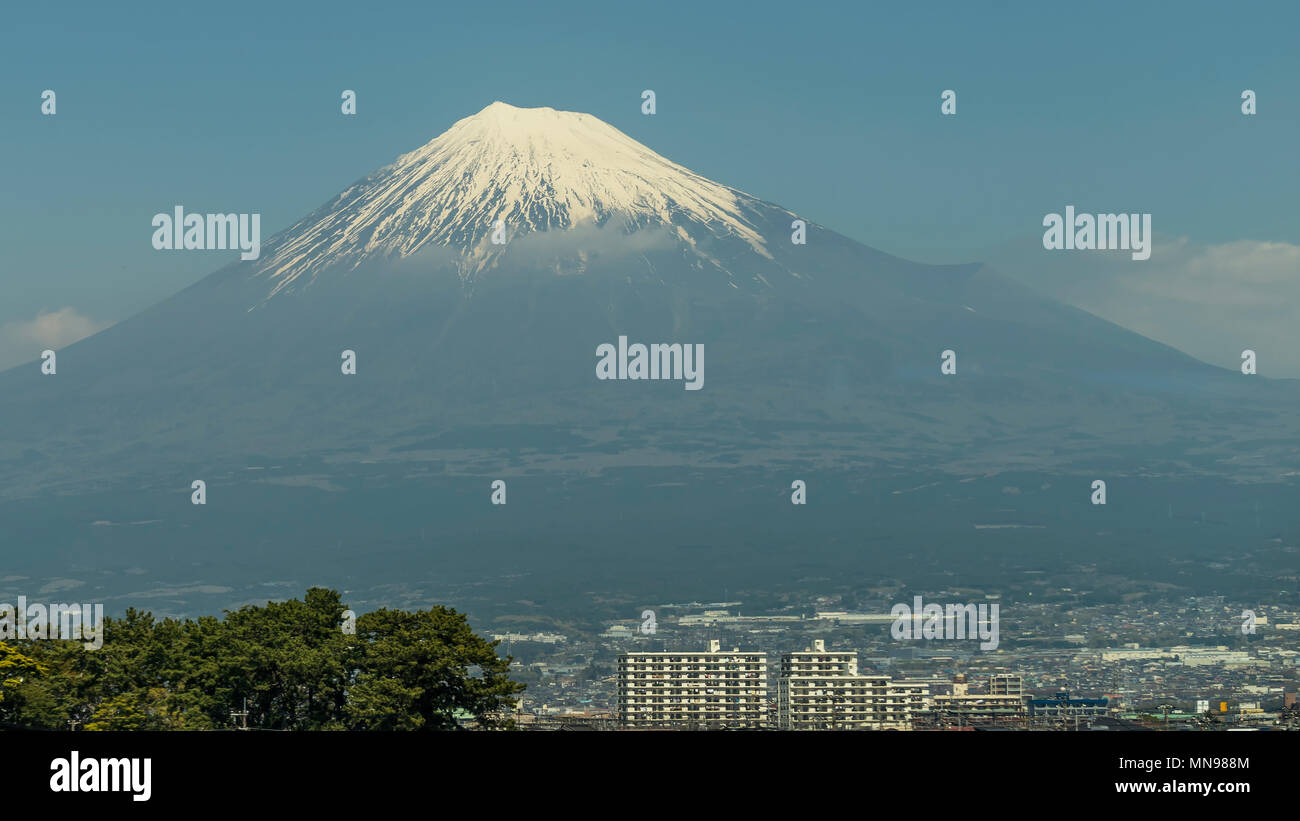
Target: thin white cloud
1211,301
23,340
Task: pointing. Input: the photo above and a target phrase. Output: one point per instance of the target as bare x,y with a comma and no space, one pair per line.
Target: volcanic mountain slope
476,356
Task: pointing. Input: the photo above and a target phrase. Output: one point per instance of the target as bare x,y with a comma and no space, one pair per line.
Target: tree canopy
288,665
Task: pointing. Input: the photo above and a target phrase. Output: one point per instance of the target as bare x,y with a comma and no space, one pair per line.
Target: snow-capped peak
533,169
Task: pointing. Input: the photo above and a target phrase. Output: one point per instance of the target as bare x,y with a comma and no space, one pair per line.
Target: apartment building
820,689
1004,701
709,690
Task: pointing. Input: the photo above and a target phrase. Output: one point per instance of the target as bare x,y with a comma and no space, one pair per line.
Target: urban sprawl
1190,665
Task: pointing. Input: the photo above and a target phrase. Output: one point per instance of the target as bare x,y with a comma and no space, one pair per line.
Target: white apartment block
708,690
1006,699
820,689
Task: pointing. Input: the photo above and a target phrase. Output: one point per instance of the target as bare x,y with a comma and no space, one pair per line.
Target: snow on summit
534,169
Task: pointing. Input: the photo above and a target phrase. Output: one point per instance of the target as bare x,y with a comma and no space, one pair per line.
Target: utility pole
242,716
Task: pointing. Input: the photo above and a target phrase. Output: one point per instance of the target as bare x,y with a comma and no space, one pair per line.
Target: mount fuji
476,358
534,170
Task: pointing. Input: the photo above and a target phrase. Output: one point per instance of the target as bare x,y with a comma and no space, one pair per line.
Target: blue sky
831,110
